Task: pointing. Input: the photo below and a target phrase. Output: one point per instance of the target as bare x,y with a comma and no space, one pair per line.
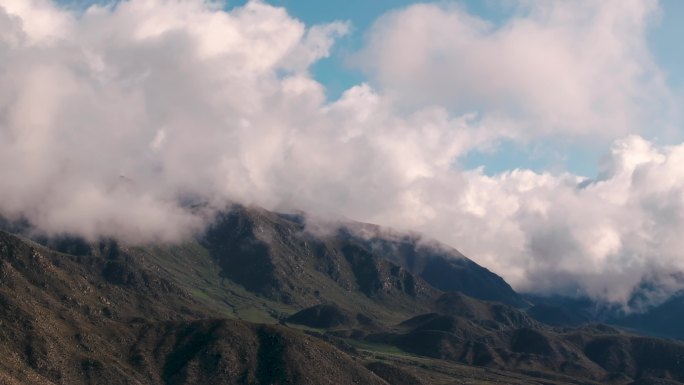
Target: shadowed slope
234,353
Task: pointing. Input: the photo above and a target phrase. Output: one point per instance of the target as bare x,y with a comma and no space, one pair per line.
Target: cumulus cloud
112,117
575,67
139,119
563,234
116,120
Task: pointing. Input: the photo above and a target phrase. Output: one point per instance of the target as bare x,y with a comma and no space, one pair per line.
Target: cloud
572,68
37,20
110,118
115,120
562,234
139,119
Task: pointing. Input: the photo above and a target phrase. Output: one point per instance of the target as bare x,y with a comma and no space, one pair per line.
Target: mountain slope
234,353
443,267
277,259
106,312
663,320
275,255
91,320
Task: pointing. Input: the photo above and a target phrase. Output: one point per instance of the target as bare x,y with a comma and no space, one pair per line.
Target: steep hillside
439,265
232,352
277,259
68,319
94,320
275,255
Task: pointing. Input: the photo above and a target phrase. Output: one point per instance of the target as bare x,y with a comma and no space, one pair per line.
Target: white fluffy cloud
576,67
118,120
114,120
563,234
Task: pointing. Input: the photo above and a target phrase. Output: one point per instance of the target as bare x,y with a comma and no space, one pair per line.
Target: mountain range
260,298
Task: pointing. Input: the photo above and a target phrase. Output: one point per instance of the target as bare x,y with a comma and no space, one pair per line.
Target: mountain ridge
330,308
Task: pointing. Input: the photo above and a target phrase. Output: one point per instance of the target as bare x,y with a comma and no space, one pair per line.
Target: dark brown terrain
258,299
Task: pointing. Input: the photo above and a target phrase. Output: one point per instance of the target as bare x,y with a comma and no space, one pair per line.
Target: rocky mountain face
444,268
259,299
275,256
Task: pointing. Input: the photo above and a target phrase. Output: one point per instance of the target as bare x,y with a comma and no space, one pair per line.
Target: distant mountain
664,320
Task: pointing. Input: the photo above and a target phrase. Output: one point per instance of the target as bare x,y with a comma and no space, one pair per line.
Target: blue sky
666,39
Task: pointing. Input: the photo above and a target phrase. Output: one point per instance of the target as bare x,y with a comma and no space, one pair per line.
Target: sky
544,140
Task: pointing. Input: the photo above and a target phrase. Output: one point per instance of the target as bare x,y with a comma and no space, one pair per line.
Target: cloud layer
578,67
118,120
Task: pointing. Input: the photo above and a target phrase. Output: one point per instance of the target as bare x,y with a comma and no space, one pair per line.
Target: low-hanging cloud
120,119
